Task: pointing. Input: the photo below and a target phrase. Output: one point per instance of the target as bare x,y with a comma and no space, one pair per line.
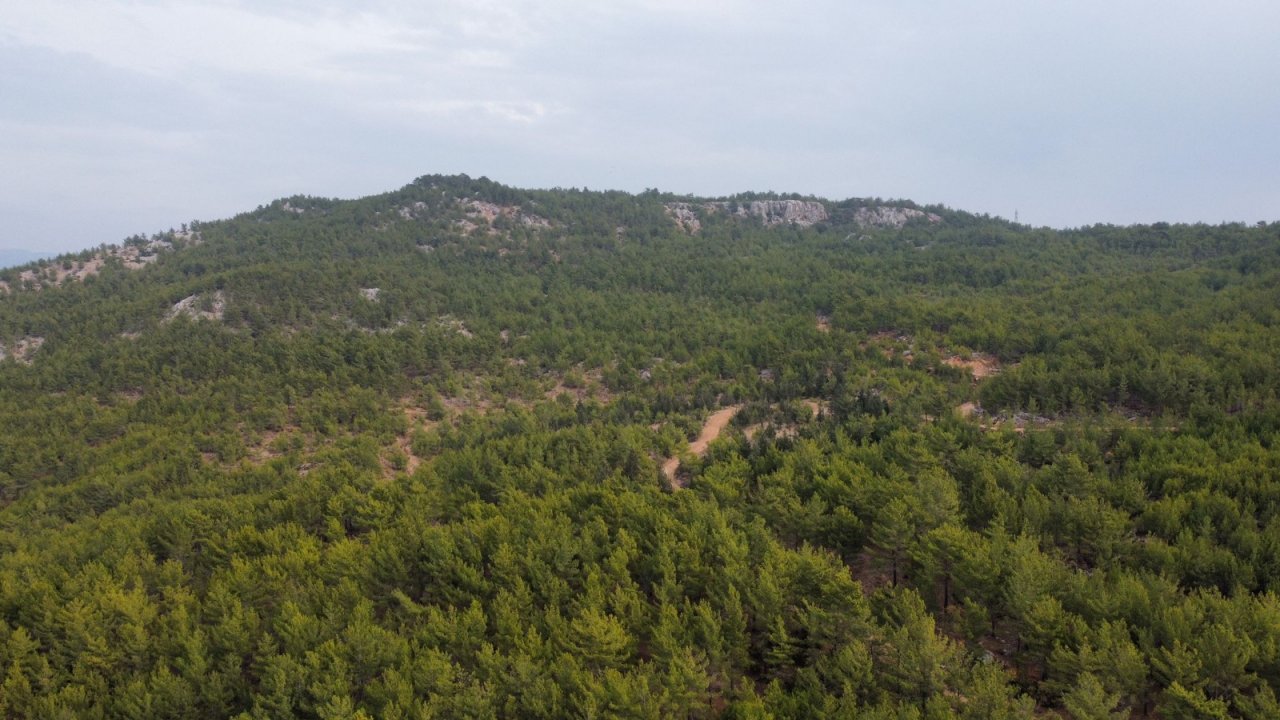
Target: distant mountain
10,257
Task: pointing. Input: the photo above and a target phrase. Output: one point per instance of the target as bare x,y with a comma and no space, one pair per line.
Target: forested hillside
452,452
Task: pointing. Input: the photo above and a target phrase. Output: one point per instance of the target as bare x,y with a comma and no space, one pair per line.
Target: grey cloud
124,117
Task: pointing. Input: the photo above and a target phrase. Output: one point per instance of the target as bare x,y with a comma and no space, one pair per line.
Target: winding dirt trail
711,430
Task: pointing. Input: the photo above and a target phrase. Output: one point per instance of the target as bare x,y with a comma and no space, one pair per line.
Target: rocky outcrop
890,216
802,213
483,215
778,212
199,307
684,216
133,255
409,212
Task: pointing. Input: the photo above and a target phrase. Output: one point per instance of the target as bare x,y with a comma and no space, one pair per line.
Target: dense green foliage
409,466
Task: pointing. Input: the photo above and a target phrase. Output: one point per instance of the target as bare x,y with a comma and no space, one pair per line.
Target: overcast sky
125,116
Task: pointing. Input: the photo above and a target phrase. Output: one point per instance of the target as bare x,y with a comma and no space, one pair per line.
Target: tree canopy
431,454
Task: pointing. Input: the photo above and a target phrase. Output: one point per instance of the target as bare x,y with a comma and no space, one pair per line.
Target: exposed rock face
370,294
802,213
888,216
776,212
685,216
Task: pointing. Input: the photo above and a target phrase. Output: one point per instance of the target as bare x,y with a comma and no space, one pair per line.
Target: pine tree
1088,700
892,532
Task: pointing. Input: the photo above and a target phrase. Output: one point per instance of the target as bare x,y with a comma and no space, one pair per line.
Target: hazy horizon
129,118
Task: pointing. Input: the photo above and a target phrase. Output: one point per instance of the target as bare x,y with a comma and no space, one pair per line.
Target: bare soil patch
589,385
416,418
786,431
450,322
22,350
669,469
404,445
890,343
54,273
711,430
979,365
783,432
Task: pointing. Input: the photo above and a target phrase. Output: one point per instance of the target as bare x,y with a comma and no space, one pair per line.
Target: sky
133,116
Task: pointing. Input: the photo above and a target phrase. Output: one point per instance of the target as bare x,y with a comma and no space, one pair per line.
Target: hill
468,450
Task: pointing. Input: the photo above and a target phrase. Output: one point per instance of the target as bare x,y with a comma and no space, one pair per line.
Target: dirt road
711,430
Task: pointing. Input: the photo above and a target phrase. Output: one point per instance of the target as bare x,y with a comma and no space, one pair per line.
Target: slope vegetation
402,456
